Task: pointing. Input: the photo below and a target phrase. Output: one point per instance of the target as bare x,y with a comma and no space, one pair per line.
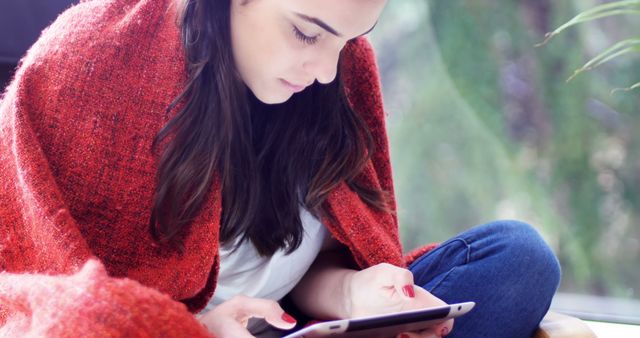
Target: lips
294,87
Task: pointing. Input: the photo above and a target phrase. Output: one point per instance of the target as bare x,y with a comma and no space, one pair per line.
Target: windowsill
605,316
605,330
598,309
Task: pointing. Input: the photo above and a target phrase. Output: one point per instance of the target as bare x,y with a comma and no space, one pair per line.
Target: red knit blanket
77,180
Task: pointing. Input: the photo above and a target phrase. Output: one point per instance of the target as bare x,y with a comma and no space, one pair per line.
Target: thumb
281,320
271,311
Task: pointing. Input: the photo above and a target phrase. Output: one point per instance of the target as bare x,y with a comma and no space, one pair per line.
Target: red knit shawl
77,178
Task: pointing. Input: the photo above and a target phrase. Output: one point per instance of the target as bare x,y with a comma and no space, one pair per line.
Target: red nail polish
287,318
445,331
404,335
408,291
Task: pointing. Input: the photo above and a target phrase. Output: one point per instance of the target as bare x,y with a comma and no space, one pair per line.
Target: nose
323,65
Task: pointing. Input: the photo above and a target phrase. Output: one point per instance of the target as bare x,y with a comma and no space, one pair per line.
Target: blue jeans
505,267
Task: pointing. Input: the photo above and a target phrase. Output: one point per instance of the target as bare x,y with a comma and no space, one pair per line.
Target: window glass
484,126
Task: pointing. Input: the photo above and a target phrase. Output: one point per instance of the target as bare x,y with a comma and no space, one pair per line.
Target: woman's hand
385,288
230,319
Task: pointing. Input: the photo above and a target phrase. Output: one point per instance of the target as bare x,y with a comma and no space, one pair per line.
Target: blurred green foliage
619,49
484,126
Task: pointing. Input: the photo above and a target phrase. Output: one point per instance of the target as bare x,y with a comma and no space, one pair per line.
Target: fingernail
445,331
408,291
404,335
287,318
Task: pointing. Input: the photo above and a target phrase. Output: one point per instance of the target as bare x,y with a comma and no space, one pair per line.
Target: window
483,126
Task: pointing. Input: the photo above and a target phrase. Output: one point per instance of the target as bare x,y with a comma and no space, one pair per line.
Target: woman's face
282,46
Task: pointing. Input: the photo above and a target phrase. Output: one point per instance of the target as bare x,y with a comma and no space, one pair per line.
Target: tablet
384,326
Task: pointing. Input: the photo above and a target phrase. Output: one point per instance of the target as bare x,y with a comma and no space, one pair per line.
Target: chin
272,98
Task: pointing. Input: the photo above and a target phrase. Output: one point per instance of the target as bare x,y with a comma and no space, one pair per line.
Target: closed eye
309,40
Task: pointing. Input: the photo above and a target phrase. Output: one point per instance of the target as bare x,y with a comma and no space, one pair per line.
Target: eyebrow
326,27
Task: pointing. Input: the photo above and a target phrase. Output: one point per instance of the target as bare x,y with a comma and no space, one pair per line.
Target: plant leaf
597,12
620,48
632,87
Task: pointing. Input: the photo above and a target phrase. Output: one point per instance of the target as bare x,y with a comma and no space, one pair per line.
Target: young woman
232,155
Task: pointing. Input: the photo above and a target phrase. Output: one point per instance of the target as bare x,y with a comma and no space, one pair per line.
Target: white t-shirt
245,272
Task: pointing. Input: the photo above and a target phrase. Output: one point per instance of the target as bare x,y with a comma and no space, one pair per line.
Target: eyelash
305,39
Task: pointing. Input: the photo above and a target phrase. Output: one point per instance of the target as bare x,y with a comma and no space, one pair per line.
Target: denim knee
505,267
521,245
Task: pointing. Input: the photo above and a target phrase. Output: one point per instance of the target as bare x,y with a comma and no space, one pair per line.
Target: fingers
391,274
400,279
223,326
418,298
403,282
402,295
227,327
230,319
281,320
270,310
439,331
428,333
442,329
425,299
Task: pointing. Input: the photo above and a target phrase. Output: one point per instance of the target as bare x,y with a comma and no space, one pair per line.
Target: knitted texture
77,180
89,304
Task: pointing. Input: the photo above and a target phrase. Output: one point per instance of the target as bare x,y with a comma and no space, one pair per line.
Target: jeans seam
442,279
468,258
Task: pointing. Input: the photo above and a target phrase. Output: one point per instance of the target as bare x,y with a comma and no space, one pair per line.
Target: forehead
349,17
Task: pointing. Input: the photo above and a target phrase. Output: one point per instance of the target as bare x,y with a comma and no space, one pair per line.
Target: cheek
272,55
260,48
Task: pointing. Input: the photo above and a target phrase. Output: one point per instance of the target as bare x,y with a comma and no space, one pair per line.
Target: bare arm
321,293
333,289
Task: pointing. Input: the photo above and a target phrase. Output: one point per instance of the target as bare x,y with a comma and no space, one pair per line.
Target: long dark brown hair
271,159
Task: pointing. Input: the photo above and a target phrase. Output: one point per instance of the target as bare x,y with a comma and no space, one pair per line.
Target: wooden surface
555,325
